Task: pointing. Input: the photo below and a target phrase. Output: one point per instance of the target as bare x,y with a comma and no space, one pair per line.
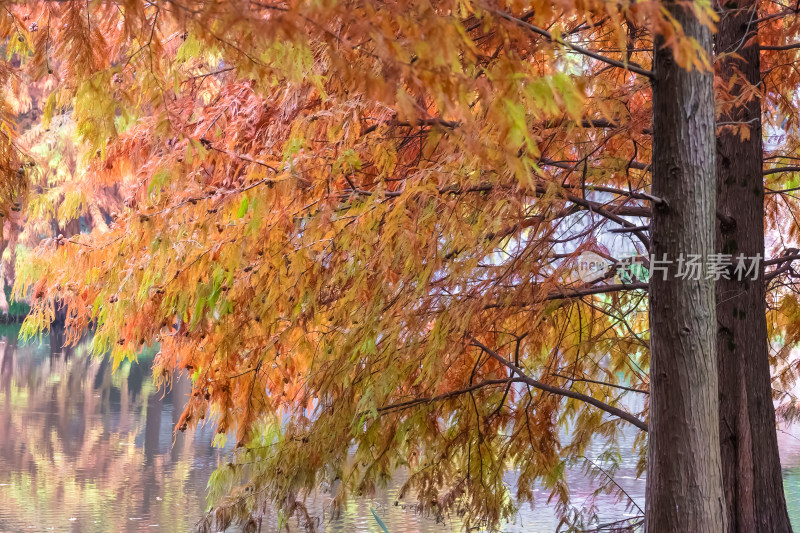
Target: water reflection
85,449
789,446
82,449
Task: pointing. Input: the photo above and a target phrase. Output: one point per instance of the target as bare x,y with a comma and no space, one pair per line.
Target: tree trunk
749,445
684,474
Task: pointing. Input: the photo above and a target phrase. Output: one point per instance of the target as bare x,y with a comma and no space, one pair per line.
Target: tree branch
598,289
547,35
587,380
765,18
571,165
781,191
789,255
779,170
628,230
624,415
602,211
444,396
791,46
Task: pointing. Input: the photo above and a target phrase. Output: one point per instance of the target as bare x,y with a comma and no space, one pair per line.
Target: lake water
83,449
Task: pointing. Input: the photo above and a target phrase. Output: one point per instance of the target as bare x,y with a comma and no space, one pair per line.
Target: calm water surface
83,449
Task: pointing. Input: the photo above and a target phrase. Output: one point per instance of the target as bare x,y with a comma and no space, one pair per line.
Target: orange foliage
328,207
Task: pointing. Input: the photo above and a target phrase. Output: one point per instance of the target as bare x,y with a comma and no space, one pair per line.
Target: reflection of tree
79,441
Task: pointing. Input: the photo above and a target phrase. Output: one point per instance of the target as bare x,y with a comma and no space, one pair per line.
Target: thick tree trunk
684,477
749,445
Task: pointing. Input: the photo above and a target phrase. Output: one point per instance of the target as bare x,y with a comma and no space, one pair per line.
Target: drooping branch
624,415
778,170
598,289
447,395
606,213
574,165
587,380
568,294
783,263
790,46
781,191
629,230
788,12
790,255
574,47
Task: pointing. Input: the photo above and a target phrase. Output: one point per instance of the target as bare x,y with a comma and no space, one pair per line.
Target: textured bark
684,477
748,440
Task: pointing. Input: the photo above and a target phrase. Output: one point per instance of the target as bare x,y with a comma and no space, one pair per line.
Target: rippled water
83,449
